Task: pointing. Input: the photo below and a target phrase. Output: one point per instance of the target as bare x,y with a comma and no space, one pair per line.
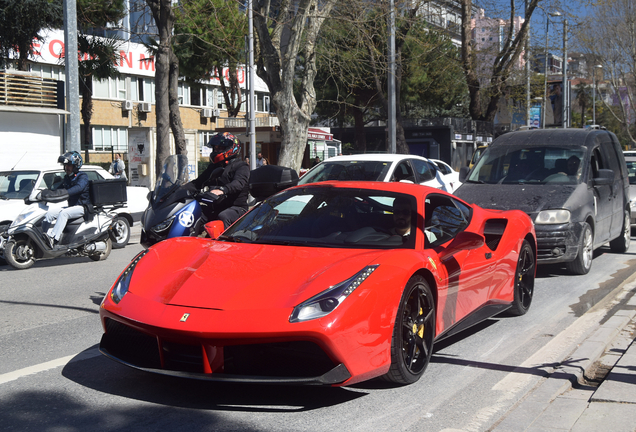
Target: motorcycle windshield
173,175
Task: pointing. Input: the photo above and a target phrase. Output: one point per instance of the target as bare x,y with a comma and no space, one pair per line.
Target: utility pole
252,119
391,79
72,141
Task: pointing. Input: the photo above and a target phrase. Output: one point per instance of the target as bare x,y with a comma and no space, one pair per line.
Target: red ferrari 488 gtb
329,283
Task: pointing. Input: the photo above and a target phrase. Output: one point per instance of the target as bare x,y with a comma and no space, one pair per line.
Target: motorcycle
25,241
175,208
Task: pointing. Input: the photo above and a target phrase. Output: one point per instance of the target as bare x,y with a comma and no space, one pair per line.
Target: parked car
16,184
478,152
450,176
378,167
631,173
573,183
330,283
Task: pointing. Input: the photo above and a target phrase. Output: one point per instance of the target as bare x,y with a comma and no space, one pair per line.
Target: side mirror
465,240
463,173
605,177
214,229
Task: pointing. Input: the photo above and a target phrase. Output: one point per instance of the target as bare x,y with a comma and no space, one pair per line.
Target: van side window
597,162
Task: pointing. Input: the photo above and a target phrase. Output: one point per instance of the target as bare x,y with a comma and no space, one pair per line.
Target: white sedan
451,177
15,185
379,167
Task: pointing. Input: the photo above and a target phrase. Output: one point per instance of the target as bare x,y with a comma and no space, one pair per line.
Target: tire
583,262
120,233
3,228
101,256
524,281
621,243
20,253
413,333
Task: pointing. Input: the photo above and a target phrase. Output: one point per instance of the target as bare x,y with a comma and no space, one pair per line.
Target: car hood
232,276
527,198
10,209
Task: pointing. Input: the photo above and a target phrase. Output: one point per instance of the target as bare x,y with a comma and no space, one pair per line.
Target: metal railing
26,89
237,122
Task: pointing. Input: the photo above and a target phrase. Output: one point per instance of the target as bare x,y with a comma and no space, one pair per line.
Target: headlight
21,217
552,217
324,303
121,286
162,226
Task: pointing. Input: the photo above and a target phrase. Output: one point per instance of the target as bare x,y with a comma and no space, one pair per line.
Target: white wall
30,138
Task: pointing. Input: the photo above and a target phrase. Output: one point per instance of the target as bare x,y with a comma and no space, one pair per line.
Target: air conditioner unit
210,112
127,105
145,107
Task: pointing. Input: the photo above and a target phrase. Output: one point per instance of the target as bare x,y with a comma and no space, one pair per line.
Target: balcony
29,90
238,122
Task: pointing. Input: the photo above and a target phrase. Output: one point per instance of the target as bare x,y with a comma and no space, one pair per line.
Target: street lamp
594,92
545,79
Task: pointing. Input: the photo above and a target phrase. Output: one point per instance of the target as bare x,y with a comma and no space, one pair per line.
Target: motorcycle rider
75,186
228,176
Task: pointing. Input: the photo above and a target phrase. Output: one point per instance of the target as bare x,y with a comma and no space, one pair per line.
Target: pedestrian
118,167
259,160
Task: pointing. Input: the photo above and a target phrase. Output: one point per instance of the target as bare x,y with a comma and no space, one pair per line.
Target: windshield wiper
475,181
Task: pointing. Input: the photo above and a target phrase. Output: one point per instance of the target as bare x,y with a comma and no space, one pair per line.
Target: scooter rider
227,175
74,187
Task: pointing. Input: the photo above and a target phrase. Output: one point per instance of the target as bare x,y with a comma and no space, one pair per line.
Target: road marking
42,367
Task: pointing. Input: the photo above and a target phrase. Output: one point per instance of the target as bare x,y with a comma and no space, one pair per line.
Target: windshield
173,175
631,172
536,165
347,170
330,217
17,184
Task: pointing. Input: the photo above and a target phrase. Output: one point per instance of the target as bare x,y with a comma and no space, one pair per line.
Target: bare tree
485,99
287,31
609,37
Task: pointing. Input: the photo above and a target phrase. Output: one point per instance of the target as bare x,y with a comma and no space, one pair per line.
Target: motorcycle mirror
214,229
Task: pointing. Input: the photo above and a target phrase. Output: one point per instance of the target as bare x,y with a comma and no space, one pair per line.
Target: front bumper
295,362
558,243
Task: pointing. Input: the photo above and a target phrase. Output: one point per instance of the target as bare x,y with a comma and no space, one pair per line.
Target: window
110,88
444,218
424,170
403,172
106,138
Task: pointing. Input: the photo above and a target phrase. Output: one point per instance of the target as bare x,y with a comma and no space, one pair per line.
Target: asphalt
591,390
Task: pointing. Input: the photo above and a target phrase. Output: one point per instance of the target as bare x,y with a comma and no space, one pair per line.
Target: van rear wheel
583,262
621,243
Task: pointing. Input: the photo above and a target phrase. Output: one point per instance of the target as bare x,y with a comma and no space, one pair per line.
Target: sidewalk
571,399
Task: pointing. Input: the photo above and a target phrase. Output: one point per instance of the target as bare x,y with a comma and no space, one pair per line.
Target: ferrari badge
185,316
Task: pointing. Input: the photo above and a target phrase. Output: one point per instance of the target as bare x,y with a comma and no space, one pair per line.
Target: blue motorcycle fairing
185,219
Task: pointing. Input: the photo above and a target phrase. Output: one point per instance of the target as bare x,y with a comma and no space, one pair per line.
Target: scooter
175,208
25,242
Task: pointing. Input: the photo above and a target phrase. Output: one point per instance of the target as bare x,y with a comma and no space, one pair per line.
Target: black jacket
233,180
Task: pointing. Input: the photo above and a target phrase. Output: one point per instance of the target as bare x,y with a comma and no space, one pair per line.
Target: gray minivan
571,182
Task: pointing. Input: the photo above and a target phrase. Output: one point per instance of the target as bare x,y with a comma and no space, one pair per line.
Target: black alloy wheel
413,333
524,281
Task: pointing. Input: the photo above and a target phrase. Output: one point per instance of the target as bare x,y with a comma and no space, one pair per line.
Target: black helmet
72,158
228,147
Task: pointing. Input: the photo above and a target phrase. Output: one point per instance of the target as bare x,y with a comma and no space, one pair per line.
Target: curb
546,406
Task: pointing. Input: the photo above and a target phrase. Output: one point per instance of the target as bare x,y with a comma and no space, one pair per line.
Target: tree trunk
164,19
277,66
87,114
175,115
